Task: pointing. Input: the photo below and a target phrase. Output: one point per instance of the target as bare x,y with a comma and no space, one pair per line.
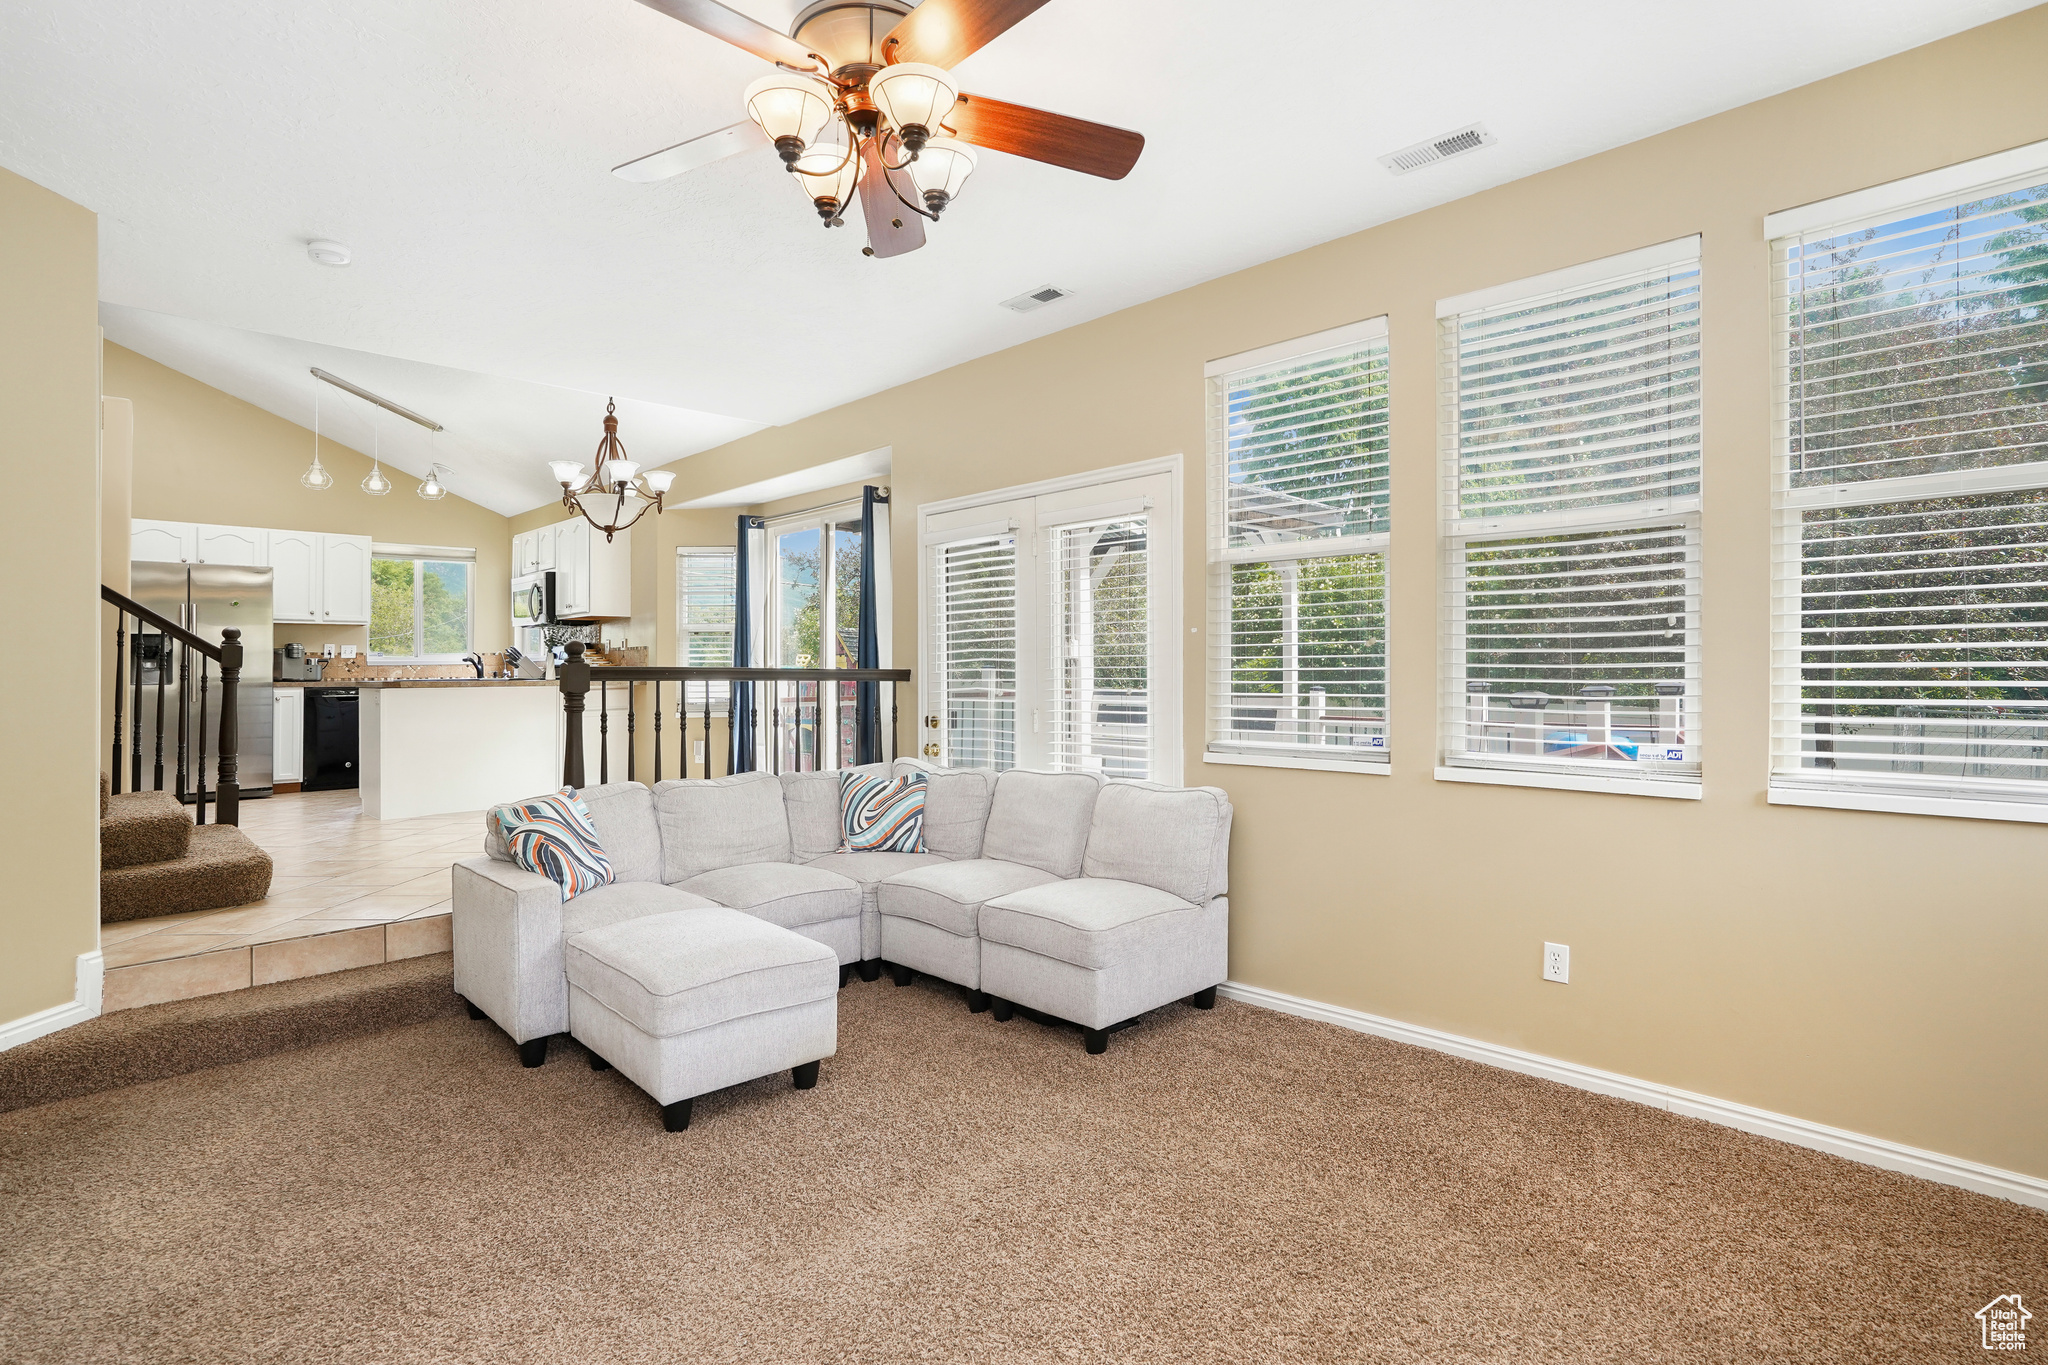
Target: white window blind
1298,533
704,606
976,637
1911,623
1100,686
1571,495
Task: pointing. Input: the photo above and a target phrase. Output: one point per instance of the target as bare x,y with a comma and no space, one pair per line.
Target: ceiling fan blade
892,228
1055,139
944,32
698,151
737,29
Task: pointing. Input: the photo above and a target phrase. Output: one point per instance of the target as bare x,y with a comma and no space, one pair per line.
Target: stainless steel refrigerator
206,599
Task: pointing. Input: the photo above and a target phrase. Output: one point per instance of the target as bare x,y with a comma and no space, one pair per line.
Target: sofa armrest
508,947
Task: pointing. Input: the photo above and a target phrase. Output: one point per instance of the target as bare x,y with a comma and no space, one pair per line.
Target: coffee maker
293,664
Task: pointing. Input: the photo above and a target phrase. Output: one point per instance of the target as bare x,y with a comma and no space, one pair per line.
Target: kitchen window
1571,504
1050,626
1299,528
422,603
1910,651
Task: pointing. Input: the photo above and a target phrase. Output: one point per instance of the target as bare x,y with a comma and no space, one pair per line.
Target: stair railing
129,667
805,718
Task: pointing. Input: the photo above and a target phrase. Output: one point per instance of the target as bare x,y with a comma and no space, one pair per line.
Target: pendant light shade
659,480
567,472
914,97
828,174
790,109
940,169
432,490
374,483
316,476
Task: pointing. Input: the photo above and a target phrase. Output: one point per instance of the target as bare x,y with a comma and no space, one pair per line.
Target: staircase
155,861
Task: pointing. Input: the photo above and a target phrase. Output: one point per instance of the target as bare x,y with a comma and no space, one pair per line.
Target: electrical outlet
1557,963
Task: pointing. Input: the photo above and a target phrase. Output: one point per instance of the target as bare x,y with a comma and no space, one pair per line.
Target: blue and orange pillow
881,815
554,836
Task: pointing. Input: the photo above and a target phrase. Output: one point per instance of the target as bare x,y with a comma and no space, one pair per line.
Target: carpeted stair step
142,827
156,1041
221,867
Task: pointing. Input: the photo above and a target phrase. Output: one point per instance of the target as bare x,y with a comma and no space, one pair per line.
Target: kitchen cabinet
572,568
163,542
288,734
231,545
522,554
593,576
534,551
316,577
544,557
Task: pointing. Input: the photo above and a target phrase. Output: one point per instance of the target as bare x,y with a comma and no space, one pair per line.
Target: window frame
1223,558
420,556
698,692
1787,783
1457,534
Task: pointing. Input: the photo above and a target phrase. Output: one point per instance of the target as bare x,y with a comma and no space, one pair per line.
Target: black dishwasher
331,735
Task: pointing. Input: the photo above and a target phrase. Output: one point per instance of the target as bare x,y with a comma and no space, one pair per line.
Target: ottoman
695,1000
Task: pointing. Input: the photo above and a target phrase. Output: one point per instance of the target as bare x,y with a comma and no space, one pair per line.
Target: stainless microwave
533,600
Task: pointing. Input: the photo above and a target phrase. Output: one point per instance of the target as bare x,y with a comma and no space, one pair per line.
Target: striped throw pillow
880,815
553,836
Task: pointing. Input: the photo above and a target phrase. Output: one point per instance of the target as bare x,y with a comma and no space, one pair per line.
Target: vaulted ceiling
504,281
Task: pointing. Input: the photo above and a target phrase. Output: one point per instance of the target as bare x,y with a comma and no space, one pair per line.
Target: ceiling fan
876,71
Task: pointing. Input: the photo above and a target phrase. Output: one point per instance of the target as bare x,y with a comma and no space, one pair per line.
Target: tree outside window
419,608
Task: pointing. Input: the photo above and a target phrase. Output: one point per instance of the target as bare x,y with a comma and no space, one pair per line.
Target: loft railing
152,652
804,719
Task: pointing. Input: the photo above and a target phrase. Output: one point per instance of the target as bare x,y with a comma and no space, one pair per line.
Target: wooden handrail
604,673
162,623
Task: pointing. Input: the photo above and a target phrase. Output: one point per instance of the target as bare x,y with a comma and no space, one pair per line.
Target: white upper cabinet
572,568
163,542
345,580
544,557
295,575
233,545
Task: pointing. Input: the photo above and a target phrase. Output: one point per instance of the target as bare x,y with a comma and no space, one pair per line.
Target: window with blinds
1298,533
1101,686
976,638
704,612
1911,623
1571,432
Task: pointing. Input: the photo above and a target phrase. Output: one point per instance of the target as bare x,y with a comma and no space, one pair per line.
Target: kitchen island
434,746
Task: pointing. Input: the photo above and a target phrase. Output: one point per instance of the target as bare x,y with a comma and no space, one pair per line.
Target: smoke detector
1037,298
1470,138
324,252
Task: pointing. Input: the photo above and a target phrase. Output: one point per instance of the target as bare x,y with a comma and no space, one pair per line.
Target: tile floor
346,892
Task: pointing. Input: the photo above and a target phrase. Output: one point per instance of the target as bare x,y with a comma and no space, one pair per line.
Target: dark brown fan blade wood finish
892,228
944,32
1055,139
737,29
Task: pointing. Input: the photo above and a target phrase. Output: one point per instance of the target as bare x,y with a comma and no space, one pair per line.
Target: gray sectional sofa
1059,894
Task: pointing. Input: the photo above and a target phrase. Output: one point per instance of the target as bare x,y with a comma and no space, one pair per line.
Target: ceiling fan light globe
942,168
828,174
914,96
790,109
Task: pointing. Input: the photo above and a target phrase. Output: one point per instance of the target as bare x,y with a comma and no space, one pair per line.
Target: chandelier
613,479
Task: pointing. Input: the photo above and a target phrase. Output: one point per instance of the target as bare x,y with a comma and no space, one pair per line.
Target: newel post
228,791
575,679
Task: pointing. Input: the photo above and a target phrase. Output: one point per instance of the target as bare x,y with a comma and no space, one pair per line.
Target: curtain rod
824,507
385,403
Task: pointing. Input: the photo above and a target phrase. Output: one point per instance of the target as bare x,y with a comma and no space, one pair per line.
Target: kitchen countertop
381,684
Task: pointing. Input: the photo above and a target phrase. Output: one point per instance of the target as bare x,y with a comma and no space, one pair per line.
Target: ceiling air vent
1470,138
1037,298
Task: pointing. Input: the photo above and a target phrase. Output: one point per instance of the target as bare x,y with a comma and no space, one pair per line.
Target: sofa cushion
949,895
553,837
812,802
1088,921
882,814
622,901
1174,838
781,893
955,807
675,973
719,822
1041,819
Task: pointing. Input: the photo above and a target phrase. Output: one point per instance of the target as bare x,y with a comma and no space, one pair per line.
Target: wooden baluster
892,722
120,686
201,805
228,793
184,714
632,755
604,730
657,729
707,730
135,710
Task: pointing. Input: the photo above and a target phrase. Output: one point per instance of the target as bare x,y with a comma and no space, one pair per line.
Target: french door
1049,635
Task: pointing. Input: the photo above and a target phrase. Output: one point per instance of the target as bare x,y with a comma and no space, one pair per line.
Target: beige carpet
1232,1186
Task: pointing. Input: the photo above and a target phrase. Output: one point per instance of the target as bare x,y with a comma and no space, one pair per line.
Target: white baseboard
1892,1156
84,1005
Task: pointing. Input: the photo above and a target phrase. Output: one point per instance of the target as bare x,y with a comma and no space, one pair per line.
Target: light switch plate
348,651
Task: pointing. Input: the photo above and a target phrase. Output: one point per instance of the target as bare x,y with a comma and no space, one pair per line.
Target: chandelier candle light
613,476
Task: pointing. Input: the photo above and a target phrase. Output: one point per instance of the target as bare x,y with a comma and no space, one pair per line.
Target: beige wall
204,456
49,393
1880,973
